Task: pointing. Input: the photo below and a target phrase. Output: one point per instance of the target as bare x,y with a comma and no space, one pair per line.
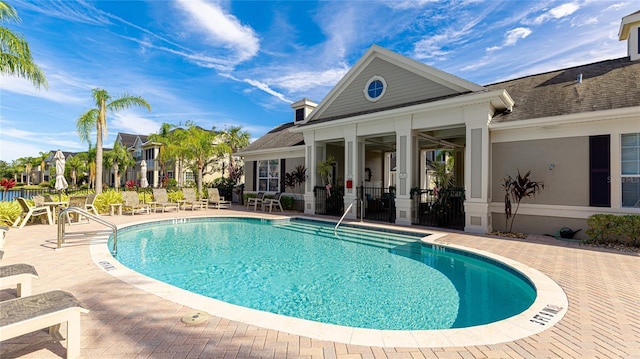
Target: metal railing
62,223
335,229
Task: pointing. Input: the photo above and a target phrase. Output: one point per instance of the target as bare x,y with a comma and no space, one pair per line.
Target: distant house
390,118
143,149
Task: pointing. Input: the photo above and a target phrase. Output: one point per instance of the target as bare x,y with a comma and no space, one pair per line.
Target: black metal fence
379,203
329,201
12,194
443,208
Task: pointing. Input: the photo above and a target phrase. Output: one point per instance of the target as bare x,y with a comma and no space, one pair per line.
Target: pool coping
540,316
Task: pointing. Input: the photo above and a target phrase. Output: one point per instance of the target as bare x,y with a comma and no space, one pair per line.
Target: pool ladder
82,212
335,229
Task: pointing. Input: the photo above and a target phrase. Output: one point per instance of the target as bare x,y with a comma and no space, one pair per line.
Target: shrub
606,228
44,184
9,212
175,196
288,203
104,199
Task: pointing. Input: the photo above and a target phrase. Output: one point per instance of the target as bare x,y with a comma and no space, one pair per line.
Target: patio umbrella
143,178
61,182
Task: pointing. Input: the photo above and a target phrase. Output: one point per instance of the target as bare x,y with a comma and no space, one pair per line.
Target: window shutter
255,176
599,171
283,166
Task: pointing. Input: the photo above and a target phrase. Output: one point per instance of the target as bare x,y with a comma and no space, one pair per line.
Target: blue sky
222,63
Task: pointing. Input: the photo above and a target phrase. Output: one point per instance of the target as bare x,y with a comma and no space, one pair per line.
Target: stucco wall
541,224
561,163
374,160
290,165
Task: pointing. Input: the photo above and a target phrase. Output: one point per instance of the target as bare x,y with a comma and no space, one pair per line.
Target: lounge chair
191,201
256,201
273,202
161,200
74,217
215,200
19,275
27,314
31,211
89,205
132,203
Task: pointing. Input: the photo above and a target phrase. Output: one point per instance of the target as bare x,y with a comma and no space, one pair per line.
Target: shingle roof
128,139
605,85
276,138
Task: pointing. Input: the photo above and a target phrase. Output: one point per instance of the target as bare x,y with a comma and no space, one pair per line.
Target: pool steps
390,241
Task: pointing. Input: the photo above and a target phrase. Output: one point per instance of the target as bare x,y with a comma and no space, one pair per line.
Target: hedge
605,228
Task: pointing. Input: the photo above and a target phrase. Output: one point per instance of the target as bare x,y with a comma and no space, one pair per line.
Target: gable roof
127,139
605,85
408,81
279,137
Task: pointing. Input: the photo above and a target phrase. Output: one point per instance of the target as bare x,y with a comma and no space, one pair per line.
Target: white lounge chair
273,202
31,211
27,314
256,201
215,200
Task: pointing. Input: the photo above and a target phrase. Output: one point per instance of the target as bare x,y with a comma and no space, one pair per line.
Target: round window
375,88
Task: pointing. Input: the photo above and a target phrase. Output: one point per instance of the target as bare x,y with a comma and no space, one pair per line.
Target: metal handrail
335,229
61,225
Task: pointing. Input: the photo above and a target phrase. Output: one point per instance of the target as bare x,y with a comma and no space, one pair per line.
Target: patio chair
191,200
161,200
89,205
31,211
256,201
216,200
273,202
132,202
74,217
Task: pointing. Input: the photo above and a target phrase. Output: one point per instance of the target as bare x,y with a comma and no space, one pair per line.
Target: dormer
630,31
302,109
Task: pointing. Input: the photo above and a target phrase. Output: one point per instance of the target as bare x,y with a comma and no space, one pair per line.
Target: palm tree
75,165
169,148
119,157
98,117
15,56
236,139
201,148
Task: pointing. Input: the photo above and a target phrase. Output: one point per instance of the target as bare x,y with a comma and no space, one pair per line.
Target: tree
516,189
15,56
201,148
236,139
296,178
119,157
98,117
75,164
169,146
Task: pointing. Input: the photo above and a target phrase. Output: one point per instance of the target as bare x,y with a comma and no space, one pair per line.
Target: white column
405,150
310,159
477,178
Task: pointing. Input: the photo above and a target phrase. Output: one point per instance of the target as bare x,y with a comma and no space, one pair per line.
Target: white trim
365,90
483,98
581,117
291,152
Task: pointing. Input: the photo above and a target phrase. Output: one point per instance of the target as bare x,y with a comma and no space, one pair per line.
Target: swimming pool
298,268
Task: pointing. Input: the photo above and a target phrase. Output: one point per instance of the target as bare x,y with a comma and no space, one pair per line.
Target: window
148,154
300,114
375,88
630,165
269,176
188,176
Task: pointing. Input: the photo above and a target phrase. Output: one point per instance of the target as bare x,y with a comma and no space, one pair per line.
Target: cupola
630,31
302,109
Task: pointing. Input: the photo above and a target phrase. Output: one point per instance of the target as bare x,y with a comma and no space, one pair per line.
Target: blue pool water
299,268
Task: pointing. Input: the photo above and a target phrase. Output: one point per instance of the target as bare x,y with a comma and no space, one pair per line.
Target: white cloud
305,80
557,12
222,28
129,122
511,37
24,87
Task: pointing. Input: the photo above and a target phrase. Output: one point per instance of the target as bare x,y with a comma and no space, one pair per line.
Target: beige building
389,119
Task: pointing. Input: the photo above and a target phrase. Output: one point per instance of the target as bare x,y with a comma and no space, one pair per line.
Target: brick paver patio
603,319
